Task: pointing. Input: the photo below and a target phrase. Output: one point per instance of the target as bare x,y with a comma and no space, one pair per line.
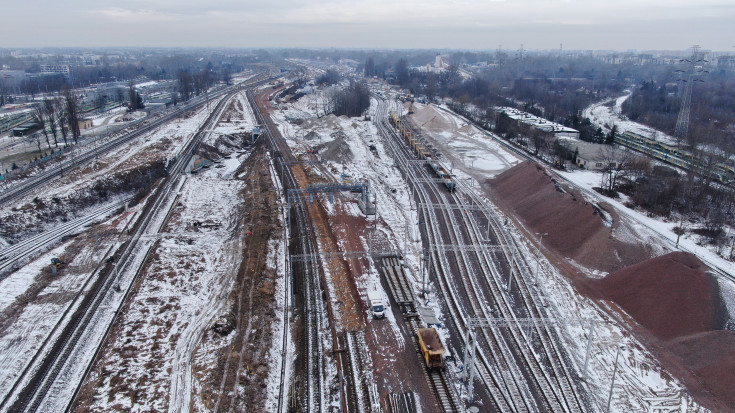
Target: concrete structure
52,69
439,65
542,124
596,157
158,104
85,124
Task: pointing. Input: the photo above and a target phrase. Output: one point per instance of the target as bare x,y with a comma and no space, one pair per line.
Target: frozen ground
31,298
603,115
185,287
344,146
641,383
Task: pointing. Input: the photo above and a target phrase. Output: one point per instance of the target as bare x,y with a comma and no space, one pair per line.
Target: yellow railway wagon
431,348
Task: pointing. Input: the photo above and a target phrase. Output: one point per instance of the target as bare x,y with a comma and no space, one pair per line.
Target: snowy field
603,115
185,288
31,298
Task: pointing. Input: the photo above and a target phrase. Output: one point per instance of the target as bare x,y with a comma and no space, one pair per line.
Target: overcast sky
461,24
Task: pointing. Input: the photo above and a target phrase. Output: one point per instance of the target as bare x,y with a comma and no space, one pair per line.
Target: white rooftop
540,123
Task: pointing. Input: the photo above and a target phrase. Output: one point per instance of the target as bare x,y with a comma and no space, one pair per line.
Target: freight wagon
424,153
432,348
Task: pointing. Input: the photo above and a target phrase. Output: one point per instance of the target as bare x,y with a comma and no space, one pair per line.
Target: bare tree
37,138
52,106
72,113
39,115
616,164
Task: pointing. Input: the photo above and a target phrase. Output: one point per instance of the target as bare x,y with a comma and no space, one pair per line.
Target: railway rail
403,295
144,126
39,380
518,378
312,393
16,255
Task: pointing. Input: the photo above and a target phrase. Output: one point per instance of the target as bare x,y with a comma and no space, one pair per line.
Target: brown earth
676,301
670,296
574,228
242,367
710,358
395,366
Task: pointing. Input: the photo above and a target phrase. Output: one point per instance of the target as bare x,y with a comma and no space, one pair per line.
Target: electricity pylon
689,76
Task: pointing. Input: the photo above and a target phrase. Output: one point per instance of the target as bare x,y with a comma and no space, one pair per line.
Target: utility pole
612,382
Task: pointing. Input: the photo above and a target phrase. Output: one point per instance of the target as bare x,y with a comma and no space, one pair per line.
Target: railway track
144,126
39,380
19,254
312,392
401,155
517,379
437,379
364,398
402,294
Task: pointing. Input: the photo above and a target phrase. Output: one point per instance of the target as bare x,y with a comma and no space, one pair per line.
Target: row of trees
57,117
194,84
352,101
656,103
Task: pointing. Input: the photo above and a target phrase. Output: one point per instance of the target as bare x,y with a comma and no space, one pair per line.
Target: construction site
260,256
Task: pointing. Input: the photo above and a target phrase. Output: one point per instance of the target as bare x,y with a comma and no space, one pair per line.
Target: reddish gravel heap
673,297
670,295
533,196
711,357
575,229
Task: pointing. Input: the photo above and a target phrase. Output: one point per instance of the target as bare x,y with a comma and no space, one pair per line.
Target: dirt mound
336,150
574,228
326,122
671,295
710,357
430,118
533,196
676,300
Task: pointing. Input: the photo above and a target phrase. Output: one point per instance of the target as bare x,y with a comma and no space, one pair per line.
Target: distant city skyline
461,24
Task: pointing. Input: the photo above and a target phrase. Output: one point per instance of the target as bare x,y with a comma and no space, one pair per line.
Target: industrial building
53,69
558,130
597,157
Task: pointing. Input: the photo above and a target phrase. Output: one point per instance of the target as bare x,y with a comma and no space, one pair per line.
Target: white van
377,306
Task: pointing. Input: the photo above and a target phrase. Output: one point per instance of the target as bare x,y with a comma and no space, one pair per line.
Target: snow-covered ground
36,306
344,147
186,287
641,383
465,146
604,116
